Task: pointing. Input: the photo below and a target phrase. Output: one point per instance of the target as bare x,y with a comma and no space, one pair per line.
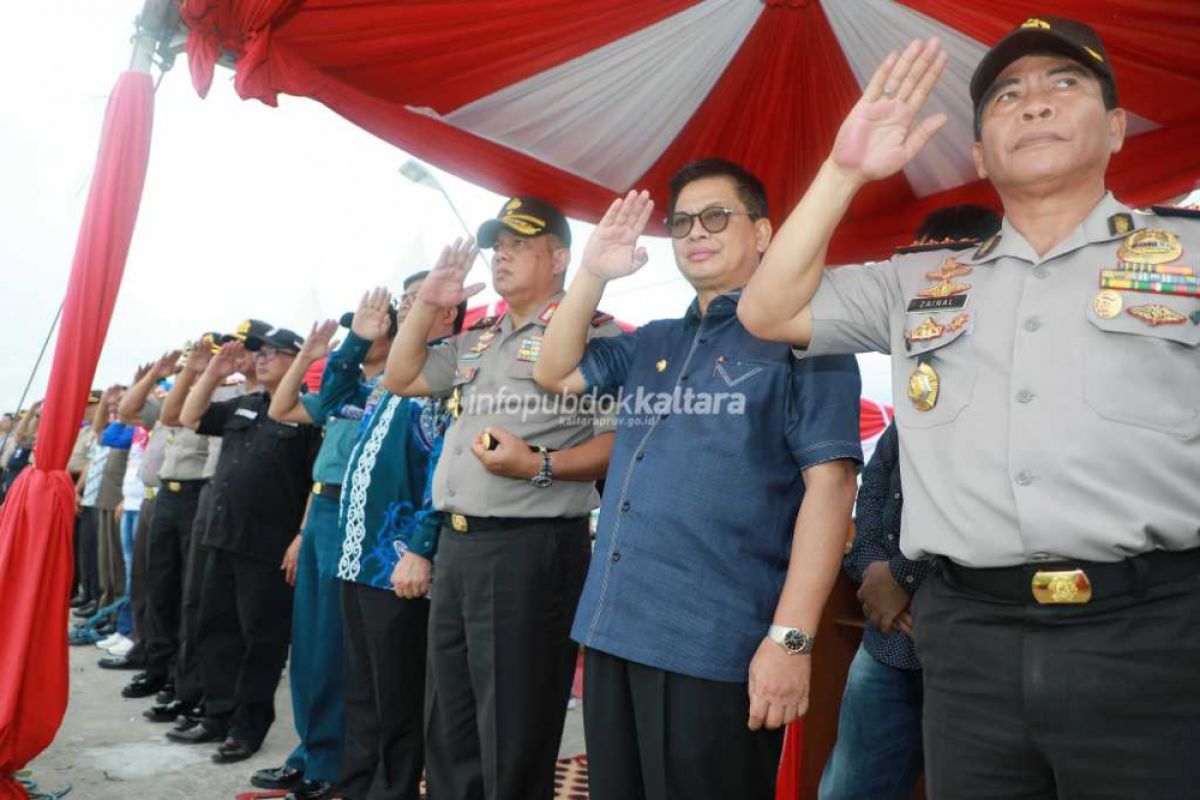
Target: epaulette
1191,210
945,244
599,318
483,322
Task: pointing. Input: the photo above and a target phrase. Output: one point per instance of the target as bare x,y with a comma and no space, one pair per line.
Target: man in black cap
257,502
516,481
1050,438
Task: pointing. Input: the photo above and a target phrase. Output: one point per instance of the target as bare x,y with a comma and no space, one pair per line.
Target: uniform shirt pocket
1146,375
951,357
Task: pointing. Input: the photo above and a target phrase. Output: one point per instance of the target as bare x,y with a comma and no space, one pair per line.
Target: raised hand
165,366
225,363
316,345
199,356
371,320
878,137
612,250
444,286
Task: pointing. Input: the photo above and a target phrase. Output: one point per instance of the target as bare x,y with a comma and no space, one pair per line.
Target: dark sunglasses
714,220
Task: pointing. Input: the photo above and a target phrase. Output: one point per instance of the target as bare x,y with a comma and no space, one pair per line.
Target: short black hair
460,316
416,276
1108,93
966,221
749,188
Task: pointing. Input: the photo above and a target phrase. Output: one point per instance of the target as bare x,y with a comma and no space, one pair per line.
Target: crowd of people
410,534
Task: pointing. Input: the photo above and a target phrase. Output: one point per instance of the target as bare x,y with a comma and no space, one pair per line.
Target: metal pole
33,373
416,172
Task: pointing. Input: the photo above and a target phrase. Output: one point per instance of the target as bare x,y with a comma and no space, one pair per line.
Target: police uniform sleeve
822,418
851,310
151,410
215,417
441,360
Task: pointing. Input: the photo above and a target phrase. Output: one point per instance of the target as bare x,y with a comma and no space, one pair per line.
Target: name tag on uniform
246,412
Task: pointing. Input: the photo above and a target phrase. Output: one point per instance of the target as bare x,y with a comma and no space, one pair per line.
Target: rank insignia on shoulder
465,374
482,322
599,318
547,313
1120,224
987,247
1191,210
945,244
1156,314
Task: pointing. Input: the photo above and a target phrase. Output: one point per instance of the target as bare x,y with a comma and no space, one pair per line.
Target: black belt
177,487
461,523
1075,582
332,491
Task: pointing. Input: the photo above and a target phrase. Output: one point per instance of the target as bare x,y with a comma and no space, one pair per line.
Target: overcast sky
282,214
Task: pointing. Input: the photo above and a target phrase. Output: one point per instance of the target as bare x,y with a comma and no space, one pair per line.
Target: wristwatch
793,640
544,477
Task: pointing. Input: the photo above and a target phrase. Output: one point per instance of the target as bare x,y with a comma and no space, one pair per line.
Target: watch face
795,641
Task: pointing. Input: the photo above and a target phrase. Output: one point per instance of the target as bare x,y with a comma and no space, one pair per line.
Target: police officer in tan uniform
516,480
1049,429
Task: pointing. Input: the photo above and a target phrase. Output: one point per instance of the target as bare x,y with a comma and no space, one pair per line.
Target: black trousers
244,627
1086,702
655,735
170,536
189,680
138,580
500,658
88,552
384,694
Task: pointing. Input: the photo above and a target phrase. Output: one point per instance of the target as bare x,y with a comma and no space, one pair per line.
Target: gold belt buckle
175,486
458,522
149,492
1068,587
318,488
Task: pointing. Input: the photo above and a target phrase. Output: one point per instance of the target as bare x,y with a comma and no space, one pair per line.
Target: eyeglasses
713,219
267,353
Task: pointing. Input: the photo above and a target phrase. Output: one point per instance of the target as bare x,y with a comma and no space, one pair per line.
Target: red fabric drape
36,520
775,109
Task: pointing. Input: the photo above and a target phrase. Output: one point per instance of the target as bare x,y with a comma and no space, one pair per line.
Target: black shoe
117,662
185,723
168,712
284,777
311,790
200,733
231,751
166,694
143,684
86,610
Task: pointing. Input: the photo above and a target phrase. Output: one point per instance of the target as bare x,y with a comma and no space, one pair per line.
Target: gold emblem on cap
1107,304
1034,22
512,205
1150,246
923,387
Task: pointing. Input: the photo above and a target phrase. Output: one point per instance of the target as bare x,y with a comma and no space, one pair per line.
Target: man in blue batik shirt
389,532
701,606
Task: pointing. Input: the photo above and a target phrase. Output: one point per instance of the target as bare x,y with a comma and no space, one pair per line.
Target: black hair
460,316
1108,93
958,222
749,188
416,276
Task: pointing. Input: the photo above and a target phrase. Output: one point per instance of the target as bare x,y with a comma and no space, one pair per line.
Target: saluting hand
317,344
225,363
443,288
877,138
199,356
612,251
165,366
371,319
511,458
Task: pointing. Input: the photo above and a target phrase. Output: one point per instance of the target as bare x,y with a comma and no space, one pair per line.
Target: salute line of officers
1047,440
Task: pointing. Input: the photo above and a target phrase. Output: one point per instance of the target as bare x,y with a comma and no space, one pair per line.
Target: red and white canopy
583,100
